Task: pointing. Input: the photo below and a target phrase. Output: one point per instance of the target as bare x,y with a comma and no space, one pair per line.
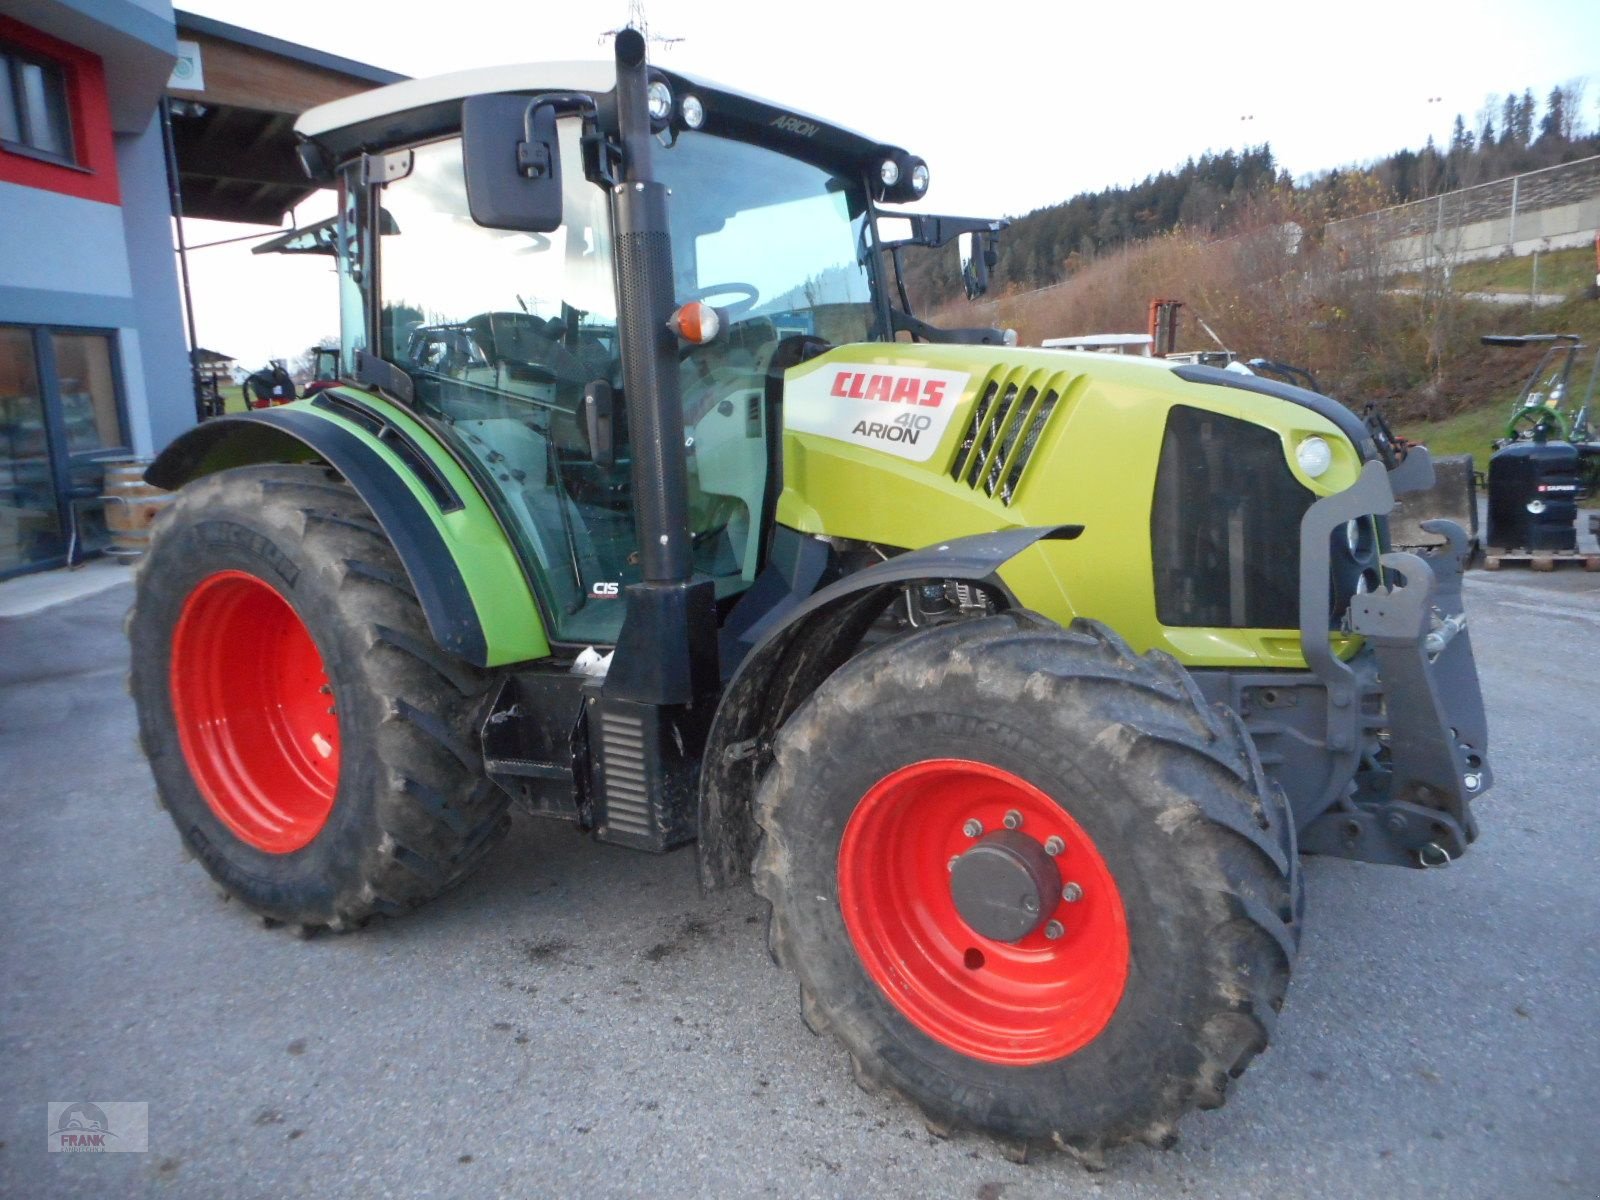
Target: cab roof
418,109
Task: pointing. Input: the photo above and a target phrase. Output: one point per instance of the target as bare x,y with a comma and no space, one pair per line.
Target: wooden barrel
131,505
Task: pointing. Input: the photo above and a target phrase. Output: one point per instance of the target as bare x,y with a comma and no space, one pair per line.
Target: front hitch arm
1414,807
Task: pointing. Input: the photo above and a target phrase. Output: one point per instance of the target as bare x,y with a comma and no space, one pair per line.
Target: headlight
1314,455
660,101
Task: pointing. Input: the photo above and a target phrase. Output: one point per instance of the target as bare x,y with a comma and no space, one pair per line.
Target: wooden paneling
249,78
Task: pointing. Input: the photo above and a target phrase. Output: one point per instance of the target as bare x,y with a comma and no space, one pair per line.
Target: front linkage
1383,753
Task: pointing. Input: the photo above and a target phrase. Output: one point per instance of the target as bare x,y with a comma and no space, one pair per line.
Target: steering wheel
1538,418
748,295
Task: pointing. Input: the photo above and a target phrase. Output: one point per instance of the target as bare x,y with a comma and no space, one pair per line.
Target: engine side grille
627,786
1005,427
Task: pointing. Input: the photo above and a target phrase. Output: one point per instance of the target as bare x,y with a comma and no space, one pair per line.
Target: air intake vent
1007,422
627,794
642,786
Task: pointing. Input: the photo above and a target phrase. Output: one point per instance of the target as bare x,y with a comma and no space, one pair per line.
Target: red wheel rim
1030,1001
255,712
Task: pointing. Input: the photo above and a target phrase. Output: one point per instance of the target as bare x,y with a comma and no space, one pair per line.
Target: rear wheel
315,748
1031,881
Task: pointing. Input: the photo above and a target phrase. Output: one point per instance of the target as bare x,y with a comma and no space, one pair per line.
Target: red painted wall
95,176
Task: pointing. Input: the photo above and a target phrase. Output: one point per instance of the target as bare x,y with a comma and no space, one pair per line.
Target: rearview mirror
512,160
978,253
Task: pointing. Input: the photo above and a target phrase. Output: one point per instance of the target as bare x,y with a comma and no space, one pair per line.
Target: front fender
474,593
797,645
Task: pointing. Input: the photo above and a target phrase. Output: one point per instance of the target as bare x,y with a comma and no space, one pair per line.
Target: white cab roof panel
591,76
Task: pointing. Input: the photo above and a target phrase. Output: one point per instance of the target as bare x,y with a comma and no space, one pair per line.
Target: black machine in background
1547,461
1533,496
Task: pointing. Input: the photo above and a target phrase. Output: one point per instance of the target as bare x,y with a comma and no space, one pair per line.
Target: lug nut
1472,780
1054,845
1013,819
952,863
1053,930
973,827
1072,893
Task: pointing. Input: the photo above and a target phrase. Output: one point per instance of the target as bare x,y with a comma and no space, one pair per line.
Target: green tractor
1017,681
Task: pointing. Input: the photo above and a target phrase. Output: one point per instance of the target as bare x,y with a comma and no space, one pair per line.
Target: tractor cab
508,337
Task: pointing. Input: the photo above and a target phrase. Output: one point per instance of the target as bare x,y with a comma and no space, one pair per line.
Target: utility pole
637,20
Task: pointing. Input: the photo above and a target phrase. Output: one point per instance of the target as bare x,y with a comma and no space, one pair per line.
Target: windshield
778,240
502,332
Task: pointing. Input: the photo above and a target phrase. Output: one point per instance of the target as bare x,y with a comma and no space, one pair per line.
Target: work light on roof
694,113
889,172
660,98
919,178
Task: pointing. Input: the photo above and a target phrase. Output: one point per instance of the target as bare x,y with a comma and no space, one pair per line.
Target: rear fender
474,593
796,647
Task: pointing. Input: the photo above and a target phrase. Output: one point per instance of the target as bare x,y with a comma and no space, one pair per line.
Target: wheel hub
1005,886
941,912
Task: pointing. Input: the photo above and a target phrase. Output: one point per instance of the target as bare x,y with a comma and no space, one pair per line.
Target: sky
1014,104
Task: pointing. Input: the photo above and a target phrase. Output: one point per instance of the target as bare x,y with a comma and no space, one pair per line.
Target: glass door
61,421
30,516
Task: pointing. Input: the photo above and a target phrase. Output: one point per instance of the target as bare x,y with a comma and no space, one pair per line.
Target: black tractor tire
412,811
1200,845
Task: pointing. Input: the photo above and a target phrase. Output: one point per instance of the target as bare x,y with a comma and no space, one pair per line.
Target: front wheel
313,745
1031,881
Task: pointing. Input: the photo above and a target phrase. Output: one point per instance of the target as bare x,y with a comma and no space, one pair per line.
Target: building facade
93,362
97,98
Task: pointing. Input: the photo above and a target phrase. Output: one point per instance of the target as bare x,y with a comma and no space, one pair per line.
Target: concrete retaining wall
1552,209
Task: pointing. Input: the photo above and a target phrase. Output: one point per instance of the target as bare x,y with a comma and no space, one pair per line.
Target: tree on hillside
1508,120
1430,166
1525,110
1461,169
1484,121
1555,125
1572,111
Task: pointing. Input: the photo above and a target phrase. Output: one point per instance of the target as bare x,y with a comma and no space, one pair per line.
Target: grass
1561,272
1470,432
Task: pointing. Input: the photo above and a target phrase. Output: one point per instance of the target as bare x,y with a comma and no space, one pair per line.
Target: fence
1546,209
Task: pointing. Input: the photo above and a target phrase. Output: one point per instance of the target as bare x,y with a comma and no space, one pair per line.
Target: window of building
33,105
61,423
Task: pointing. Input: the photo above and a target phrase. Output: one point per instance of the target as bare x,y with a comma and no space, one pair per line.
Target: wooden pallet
1539,560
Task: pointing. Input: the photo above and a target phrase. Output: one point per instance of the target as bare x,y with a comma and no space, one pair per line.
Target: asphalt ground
577,1020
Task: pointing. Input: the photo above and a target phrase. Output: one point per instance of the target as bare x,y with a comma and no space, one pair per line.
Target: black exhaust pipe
649,348
648,722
